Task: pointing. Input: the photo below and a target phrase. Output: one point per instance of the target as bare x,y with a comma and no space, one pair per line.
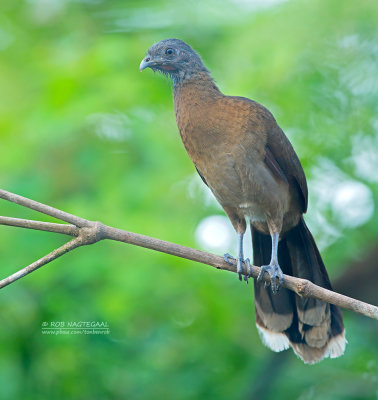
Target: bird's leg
239,259
273,269
238,221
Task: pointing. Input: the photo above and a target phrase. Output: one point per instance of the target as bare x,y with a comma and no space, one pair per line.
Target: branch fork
87,232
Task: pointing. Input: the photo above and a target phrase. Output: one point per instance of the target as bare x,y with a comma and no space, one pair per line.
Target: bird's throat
195,88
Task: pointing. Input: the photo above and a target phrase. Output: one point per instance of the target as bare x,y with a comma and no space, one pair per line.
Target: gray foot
275,273
239,265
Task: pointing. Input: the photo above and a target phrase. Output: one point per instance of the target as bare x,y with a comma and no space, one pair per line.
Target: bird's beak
146,63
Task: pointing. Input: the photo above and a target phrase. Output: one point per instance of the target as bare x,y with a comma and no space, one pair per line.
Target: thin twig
43,208
89,232
71,230
72,244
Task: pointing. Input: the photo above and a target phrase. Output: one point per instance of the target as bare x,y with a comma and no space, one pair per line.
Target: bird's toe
239,265
275,274
239,268
227,257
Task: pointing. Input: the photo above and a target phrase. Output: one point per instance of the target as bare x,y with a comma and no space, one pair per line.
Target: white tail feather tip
275,341
337,345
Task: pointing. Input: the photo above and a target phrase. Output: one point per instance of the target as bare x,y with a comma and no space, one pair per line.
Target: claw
275,273
239,265
249,268
227,258
239,268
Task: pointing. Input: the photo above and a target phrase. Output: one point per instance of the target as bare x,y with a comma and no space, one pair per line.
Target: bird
249,164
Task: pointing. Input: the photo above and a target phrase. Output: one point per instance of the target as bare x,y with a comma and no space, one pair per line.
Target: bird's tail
314,329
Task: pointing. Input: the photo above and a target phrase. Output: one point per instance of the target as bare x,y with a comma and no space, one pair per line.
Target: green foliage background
82,130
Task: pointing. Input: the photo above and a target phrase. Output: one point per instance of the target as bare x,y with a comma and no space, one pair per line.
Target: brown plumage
253,171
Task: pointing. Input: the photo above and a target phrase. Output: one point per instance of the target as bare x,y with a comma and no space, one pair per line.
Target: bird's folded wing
282,160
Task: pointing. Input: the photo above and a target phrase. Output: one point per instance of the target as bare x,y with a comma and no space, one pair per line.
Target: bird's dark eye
169,51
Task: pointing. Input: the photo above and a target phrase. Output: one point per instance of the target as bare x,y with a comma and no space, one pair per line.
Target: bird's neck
196,87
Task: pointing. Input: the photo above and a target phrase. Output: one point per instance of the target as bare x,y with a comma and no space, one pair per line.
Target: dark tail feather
313,329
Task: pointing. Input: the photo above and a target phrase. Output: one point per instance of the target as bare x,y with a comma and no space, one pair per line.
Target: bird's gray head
174,58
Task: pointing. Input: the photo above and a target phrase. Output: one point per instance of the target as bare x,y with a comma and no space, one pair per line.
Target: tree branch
71,230
43,208
72,244
88,232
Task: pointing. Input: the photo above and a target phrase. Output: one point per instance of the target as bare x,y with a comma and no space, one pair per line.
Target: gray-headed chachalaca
246,160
